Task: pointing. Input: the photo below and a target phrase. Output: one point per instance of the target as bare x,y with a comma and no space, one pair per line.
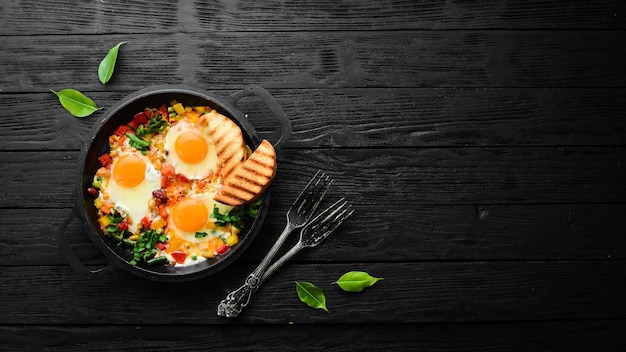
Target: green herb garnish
145,247
201,234
236,215
155,124
137,142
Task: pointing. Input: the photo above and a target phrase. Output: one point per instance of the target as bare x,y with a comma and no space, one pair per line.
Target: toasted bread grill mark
228,141
251,177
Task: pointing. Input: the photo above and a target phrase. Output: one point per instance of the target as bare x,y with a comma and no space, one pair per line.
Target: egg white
191,171
134,201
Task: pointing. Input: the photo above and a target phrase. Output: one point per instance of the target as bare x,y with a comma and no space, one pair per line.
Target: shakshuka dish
178,183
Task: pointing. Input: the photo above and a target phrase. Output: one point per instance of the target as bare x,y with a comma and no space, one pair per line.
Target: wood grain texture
357,118
421,233
320,60
53,16
377,177
415,292
503,336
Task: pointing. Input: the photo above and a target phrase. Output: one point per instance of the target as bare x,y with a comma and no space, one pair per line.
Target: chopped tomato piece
222,249
163,110
123,225
161,246
140,118
182,178
105,209
167,170
148,114
163,211
146,222
179,257
122,130
104,159
134,124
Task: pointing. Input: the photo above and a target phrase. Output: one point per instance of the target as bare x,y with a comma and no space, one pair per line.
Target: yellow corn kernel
178,107
193,116
157,224
232,239
104,222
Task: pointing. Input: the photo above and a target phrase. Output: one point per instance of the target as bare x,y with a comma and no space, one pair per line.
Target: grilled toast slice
251,178
228,141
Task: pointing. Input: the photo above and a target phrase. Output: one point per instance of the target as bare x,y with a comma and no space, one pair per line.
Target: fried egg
192,215
191,150
130,186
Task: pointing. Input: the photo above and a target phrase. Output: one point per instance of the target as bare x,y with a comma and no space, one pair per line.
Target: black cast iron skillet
97,144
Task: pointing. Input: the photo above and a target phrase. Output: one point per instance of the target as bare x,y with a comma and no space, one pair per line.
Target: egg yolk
190,214
129,170
191,147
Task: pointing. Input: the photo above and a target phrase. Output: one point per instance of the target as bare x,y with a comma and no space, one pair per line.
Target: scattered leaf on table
107,65
76,103
356,281
311,295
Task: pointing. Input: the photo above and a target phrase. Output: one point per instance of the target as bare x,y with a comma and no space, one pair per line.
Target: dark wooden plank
419,233
166,16
415,292
422,117
321,60
592,335
380,177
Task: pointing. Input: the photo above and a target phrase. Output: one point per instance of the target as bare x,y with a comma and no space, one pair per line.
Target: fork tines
327,221
311,196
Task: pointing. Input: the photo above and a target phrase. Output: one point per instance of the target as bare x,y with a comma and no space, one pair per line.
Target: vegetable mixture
154,189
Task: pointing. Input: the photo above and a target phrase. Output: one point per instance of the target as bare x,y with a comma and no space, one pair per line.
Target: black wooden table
481,142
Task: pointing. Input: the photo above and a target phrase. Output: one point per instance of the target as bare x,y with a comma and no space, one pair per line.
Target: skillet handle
68,253
272,104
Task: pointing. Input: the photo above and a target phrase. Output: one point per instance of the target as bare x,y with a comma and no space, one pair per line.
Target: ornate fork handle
236,300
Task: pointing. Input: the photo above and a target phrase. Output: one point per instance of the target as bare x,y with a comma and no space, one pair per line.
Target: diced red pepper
222,249
146,222
165,181
140,118
167,170
104,159
122,130
179,257
148,113
163,110
182,178
133,124
161,246
123,225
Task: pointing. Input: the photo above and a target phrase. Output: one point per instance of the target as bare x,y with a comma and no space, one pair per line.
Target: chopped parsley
235,216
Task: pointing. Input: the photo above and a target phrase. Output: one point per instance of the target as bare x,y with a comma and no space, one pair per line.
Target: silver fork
297,216
315,232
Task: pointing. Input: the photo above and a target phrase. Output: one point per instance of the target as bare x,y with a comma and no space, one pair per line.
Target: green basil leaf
76,102
356,281
107,65
311,295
